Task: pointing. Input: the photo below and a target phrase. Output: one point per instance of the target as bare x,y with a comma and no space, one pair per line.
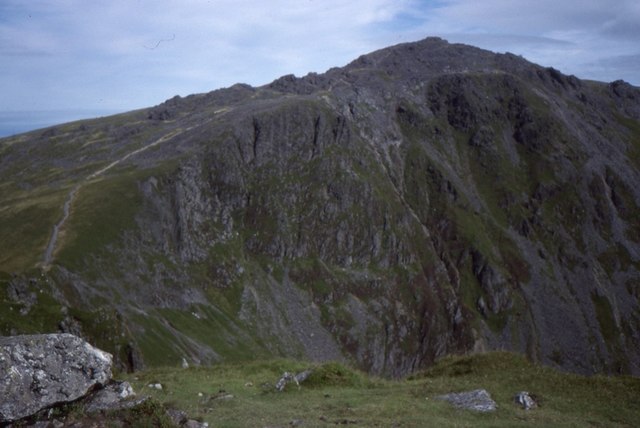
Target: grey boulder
525,400
288,377
478,400
38,371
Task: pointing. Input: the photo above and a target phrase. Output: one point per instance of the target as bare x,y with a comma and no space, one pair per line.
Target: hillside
426,199
242,395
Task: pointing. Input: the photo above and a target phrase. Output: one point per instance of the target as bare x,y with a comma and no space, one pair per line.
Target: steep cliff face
425,199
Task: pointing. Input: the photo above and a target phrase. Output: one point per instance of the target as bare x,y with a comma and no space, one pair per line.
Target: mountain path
66,208
48,254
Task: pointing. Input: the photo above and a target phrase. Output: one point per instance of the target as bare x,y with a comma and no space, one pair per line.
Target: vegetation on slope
243,395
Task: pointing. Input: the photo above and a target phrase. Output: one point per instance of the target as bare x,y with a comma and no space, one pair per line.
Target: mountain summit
426,199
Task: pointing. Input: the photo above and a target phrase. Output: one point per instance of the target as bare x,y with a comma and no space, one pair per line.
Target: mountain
426,199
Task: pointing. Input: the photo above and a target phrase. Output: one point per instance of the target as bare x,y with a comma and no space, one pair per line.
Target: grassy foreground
242,395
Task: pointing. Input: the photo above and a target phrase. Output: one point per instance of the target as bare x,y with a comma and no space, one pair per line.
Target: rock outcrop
40,371
525,400
288,377
478,400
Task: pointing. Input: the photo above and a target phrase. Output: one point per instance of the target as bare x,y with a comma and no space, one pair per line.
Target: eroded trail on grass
135,152
48,254
66,208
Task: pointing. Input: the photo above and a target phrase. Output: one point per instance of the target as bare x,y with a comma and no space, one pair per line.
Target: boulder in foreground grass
39,371
525,400
479,400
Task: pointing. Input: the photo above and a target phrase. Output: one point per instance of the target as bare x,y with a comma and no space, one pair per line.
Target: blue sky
118,55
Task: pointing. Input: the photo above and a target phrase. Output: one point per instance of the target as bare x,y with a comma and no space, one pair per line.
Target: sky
67,59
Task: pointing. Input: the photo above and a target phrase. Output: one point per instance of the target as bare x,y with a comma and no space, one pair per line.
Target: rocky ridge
428,198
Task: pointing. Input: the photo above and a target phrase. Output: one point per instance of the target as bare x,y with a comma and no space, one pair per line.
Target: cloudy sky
83,57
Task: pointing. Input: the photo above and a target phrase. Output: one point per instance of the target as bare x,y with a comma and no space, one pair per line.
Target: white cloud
568,35
133,53
182,46
536,17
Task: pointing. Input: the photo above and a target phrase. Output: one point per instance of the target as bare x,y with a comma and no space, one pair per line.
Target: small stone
283,381
114,396
192,423
302,376
178,417
222,396
288,377
525,400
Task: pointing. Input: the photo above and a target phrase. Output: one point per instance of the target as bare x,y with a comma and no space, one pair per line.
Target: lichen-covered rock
478,400
192,423
39,371
288,377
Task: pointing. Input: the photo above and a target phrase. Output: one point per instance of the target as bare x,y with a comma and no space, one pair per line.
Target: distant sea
16,122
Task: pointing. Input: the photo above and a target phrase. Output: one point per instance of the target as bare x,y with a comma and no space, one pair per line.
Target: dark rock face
428,198
39,371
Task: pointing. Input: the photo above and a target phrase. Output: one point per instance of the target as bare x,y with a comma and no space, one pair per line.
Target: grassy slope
337,395
43,167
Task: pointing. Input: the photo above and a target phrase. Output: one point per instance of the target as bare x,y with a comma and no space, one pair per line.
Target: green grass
149,414
42,317
156,341
214,328
45,166
103,327
336,394
171,334
100,212
26,223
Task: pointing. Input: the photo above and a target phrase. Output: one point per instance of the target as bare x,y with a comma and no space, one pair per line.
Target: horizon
121,56
16,122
